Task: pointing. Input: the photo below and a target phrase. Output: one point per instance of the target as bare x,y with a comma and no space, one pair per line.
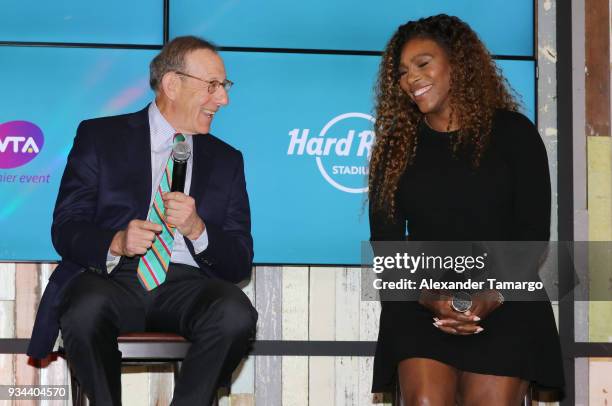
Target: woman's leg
480,389
428,382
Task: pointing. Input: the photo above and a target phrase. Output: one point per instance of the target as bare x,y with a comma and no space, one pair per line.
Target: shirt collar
162,132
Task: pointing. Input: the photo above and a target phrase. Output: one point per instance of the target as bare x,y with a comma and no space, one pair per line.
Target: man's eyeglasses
213,85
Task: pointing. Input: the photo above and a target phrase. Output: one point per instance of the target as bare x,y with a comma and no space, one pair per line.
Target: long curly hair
477,89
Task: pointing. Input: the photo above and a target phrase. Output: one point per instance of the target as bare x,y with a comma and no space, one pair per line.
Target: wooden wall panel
366,397
600,229
25,374
295,315
160,385
268,301
242,400
27,289
597,55
322,309
322,306
7,369
134,386
7,318
56,373
368,320
295,312
348,292
295,381
347,376
27,296
7,281
600,381
243,379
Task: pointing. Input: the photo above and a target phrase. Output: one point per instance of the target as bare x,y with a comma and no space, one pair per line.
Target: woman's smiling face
425,71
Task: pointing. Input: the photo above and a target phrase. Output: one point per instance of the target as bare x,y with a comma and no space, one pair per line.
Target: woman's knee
433,396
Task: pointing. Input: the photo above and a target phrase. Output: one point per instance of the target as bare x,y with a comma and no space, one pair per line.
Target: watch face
461,302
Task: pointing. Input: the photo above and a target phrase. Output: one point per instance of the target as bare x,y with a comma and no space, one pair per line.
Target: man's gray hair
172,57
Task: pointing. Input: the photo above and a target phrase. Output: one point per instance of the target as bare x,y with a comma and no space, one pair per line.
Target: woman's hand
485,302
454,322
447,319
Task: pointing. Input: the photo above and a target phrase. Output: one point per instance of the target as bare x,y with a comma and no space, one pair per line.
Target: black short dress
442,198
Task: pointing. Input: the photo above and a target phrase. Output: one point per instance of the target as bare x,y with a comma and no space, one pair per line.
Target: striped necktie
153,266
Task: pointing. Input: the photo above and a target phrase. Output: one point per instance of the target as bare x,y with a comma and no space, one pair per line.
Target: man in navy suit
102,228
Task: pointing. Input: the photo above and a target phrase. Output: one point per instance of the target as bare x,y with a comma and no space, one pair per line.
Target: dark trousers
216,316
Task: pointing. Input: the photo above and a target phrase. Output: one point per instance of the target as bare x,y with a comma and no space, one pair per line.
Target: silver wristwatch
461,302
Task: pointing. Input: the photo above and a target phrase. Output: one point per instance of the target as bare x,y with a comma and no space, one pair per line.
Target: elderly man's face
195,106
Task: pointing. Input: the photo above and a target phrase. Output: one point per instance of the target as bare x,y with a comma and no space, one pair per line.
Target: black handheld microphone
180,155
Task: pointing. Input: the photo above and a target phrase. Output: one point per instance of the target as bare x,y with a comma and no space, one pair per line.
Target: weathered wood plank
268,302
295,381
7,281
25,374
295,327
27,288
348,289
268,384
295,303
322,303
135,386
600,390
581,382
7,318
27,295
55,373
45,272
321,374
243,378
321,381
348,292
597,60
242,400
366,397
600,229
161,385
369,320
347,381
7,369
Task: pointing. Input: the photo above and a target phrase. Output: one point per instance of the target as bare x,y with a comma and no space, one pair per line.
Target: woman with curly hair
454,161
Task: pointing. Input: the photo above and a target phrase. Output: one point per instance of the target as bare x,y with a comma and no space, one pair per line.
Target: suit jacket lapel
202,167
138,148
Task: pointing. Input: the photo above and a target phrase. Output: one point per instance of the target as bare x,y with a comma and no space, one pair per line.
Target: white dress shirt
162,134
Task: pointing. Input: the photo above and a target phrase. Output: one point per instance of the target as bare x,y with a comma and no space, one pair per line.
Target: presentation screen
304,124
301,110
506,27
51,90
109,21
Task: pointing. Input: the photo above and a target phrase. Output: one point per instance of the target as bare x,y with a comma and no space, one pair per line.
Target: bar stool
142,349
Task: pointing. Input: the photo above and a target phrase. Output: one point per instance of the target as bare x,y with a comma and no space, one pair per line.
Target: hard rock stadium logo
341,150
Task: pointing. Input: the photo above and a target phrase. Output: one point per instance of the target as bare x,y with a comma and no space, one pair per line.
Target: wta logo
341,150
20,142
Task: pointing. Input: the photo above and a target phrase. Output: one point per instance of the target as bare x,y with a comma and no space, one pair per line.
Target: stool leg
527,400
78,398
396,396
176,367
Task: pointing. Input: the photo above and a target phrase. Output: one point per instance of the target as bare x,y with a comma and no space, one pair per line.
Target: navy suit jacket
107,183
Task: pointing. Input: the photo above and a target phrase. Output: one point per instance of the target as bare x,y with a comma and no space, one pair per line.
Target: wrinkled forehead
205,64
